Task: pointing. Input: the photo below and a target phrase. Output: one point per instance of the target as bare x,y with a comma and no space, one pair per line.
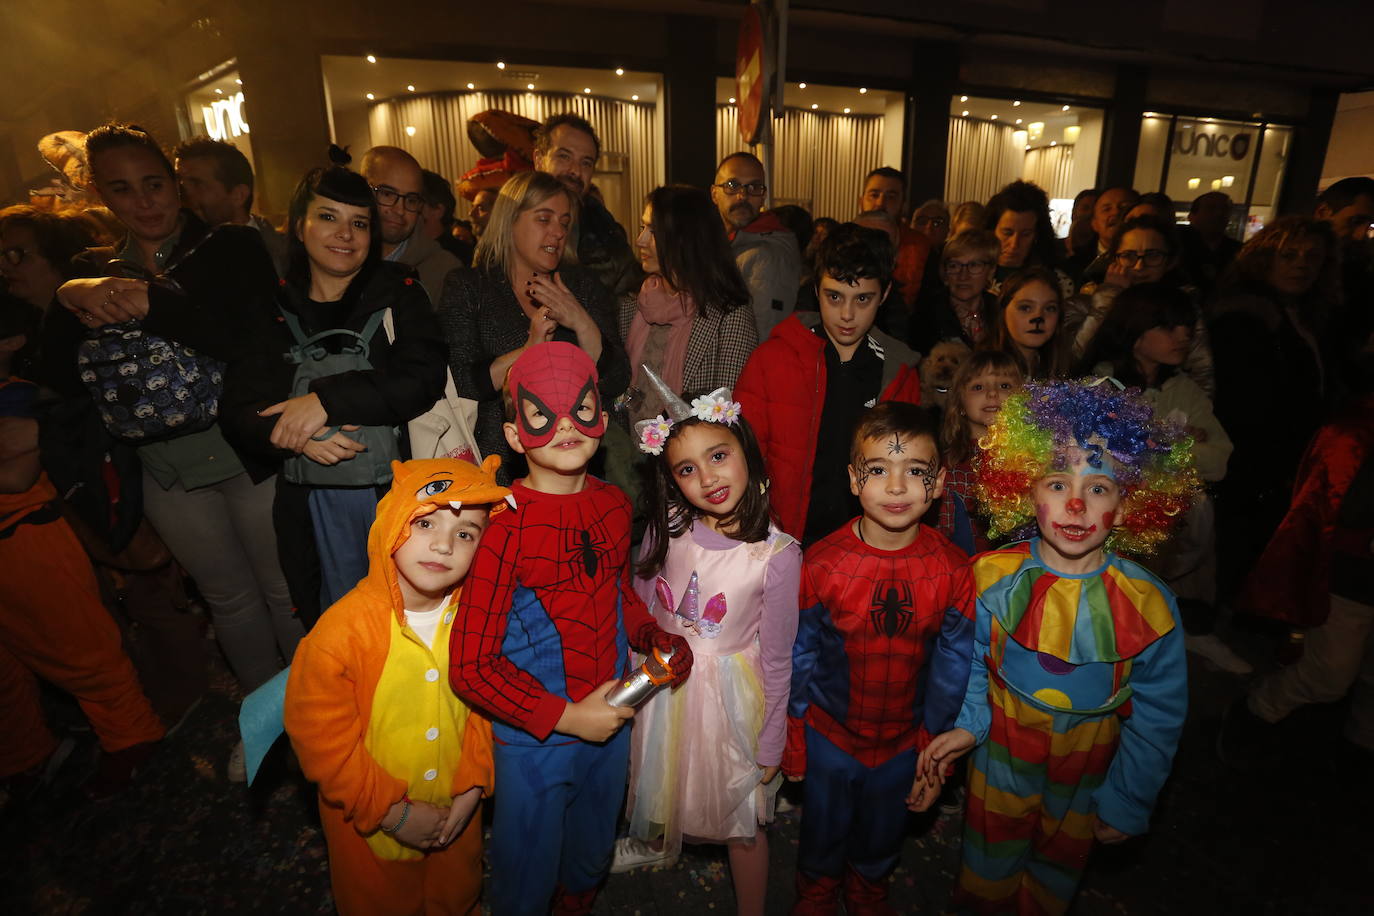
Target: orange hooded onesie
373,719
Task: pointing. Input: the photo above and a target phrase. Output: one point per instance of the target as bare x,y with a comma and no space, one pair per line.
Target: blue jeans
342,517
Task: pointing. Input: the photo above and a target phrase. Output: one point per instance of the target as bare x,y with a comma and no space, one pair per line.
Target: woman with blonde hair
524,288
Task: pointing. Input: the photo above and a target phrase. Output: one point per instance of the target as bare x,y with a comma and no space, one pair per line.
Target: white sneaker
237,768
1217,652
632,853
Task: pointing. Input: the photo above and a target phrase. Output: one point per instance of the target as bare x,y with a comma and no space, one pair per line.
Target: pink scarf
657,305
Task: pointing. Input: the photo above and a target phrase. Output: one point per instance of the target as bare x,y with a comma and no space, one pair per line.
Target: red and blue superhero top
883,645
1104,642
546,609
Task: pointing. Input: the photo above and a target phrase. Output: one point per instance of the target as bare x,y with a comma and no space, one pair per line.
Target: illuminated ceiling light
370,96
1216,184
1228,180
801,85
619,71
963,98
1065,108
219,92
1054,143
965,113
1193,183
500,65
846,111
587,89
1015,104
1027,146
371,58
732,100
529,85
634,98
410,131
993,118
814,106
1071,133
862,91
410,87
1018,120
238,82
471,86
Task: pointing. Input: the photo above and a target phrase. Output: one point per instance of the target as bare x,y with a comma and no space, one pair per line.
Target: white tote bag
445,430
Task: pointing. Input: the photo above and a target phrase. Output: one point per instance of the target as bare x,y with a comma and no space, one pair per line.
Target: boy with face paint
879,665
548,620
1078,689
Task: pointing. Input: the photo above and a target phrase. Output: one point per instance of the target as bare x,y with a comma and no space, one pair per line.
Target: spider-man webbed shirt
883,647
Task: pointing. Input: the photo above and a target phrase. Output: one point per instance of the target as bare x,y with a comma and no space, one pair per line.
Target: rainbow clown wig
1031,437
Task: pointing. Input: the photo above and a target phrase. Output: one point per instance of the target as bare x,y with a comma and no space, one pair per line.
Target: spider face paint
551,381
896,478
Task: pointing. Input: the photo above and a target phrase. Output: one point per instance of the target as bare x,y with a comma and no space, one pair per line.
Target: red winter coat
1291,580
781,392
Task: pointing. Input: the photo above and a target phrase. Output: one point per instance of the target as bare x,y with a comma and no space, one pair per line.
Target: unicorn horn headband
715,407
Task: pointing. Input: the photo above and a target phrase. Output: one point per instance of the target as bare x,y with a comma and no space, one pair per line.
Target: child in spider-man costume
1078,689
879,666
548,619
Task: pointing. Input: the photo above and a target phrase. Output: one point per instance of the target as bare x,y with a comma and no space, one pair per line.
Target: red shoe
816,896
865,898
566,904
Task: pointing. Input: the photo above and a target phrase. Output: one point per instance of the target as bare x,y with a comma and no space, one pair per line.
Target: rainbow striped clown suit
1077,696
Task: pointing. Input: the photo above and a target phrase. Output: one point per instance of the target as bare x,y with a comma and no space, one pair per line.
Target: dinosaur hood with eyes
418,488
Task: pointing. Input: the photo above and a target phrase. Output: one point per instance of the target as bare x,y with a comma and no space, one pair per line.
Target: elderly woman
685,323
524,289
960,308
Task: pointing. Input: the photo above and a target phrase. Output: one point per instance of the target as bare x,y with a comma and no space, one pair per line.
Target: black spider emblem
586,547
891,610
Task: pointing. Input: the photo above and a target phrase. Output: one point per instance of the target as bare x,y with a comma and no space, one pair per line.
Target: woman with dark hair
37,250
205,290
1144,342
1019,215
524,289
1029,309
1270,311
1146,250
356,355
686,323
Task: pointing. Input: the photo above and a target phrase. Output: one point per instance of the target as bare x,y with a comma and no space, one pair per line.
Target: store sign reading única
224,117
1212,144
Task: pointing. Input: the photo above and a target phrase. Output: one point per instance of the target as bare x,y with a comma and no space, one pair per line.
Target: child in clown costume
1078,690
548,619
401,763
704,759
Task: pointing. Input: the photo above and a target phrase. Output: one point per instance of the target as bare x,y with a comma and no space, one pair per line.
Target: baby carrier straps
371,467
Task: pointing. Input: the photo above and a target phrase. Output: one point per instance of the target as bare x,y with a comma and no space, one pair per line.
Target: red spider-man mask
554,377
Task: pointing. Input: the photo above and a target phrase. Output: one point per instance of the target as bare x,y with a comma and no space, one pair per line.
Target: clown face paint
551,381
1076,508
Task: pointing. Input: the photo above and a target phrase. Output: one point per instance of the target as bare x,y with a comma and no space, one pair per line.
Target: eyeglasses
14,255
1151,257
386,196
753,188
966,267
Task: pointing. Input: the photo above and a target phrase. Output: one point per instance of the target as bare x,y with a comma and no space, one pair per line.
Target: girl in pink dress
716,570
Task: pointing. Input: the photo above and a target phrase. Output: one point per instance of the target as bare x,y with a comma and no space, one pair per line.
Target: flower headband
715,407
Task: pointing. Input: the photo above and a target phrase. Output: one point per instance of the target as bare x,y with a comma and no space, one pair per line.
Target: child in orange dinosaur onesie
401,762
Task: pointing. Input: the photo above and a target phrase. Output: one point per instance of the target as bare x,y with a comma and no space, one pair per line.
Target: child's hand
769,774
1107,834
459,815
943,750
592,718
422,826
924,790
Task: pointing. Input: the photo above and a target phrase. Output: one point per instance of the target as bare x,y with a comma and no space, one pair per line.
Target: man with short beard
398,183
566,147
765,249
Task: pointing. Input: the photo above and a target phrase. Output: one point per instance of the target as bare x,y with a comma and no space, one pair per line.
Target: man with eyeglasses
1109,212
566,147
764,248
398,183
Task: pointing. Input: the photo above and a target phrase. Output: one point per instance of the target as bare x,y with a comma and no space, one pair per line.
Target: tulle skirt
693,764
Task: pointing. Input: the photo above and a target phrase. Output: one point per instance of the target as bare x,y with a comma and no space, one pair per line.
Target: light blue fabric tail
261,721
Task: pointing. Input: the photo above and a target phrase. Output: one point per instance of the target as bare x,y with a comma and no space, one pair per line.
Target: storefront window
993,142
1187,157
215,109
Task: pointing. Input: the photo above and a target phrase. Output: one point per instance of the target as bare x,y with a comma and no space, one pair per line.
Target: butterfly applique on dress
689,611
